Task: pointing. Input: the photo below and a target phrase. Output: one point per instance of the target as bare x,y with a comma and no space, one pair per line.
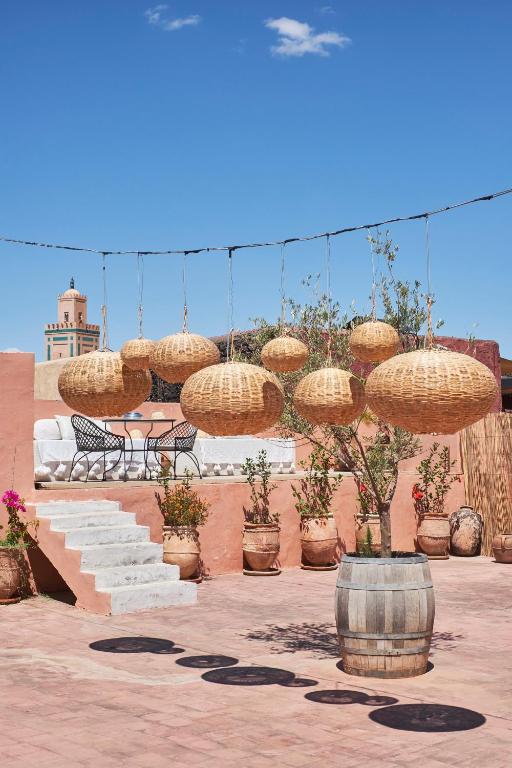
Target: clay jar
181,548
260,545
465,532
318,539
10,573
502,548
373,523
434,537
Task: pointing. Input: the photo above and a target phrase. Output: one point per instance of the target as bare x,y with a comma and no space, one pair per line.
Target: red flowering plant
429,494
17,531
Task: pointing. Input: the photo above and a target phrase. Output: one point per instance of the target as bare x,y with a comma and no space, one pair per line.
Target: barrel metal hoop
384,587
386,651
412,559
384,635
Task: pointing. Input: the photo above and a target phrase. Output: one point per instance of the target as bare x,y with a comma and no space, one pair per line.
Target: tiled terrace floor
64,703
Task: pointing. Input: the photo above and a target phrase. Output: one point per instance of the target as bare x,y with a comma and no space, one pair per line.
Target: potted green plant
429,495
15,540
260,542
368,539
183,512
313,498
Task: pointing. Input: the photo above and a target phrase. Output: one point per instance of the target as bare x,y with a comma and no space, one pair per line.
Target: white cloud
296,38
155,16
326,10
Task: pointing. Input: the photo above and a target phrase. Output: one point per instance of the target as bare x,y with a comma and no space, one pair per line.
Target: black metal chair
178,440
90,438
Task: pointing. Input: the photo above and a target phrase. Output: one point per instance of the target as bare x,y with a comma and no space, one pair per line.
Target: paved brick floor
71,694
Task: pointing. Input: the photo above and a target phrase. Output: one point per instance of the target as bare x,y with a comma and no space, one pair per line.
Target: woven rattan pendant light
136,353
374,341
98,383
329,396
232,398
178,356
284,354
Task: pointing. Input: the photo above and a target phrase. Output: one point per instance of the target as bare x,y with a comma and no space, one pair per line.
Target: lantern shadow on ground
319,639
249,676
428,718
337,697
207,662
155,645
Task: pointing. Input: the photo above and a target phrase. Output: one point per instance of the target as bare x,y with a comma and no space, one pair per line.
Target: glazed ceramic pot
260,545
10,572
181,548
465,532
372,522
318,539
434,537
502,548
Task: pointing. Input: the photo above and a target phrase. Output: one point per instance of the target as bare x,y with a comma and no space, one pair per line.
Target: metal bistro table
143,450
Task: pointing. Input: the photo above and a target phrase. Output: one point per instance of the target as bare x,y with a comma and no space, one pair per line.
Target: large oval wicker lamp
99,384
284,354
431,390
329,396
177,357
232,399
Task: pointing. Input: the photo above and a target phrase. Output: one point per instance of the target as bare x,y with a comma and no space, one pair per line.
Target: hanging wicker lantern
136,353
284,354
232,399
99,384
374,341
177,357
431,390
329,396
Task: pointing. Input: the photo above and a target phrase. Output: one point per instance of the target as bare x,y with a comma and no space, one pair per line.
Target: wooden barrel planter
385,615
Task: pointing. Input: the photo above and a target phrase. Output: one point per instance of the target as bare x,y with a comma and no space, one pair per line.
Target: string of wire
263,244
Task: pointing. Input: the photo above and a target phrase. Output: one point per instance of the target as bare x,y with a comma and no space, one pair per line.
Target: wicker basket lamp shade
329,396
431,390
232,399
99,384
284,354
374,341
177,357
136,353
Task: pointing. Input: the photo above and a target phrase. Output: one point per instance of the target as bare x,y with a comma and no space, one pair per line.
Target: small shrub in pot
15,539
260,543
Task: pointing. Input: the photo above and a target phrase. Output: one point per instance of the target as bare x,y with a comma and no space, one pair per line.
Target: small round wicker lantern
232,399
136,353
329,396
177,357
374,341
431,390
284,354
99,384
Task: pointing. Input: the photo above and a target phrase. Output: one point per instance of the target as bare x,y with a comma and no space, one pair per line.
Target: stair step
157,594
90,519
52,508
129,575
109,534
110,555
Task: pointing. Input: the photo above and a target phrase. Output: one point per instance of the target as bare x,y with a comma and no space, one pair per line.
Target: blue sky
134,125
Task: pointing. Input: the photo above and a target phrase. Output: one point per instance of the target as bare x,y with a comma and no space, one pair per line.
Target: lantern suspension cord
184,285
329,297
230,340
304,238
429,337
374,287
283,300
140,289
104,328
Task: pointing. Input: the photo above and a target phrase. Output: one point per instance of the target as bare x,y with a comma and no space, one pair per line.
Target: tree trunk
385,528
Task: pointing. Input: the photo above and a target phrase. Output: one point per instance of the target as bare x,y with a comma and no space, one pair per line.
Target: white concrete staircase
116,552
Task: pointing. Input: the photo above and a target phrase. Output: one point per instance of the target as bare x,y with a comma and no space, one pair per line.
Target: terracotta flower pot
181,548
434,537
502,548
373,523
10,572
260,545
319,539
465,532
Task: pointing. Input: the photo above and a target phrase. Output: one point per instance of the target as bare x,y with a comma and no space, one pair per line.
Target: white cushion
46,429
65,427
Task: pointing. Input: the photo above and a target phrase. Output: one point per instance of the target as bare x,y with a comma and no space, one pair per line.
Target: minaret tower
71,335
